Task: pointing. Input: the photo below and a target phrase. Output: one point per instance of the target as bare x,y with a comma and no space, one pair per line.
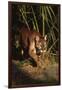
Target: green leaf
48,10
34,27
46,17
51,10
35,19
22,12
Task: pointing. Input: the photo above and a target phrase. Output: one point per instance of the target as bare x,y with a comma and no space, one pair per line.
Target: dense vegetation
42,18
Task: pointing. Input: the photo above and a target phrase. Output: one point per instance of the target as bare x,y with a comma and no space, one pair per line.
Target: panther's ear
37,38
45,37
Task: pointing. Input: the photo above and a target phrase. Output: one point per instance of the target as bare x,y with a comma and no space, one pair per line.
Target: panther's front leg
32,53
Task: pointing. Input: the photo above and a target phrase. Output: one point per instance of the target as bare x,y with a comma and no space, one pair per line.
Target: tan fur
30,40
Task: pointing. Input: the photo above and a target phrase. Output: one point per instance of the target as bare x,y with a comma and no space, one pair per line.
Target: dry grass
46,70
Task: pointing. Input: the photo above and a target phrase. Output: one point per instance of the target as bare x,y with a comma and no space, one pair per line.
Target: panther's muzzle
39,51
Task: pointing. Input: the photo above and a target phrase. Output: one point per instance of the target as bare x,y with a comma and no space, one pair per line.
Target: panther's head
41,44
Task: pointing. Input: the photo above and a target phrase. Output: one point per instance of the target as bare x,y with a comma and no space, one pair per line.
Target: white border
4,43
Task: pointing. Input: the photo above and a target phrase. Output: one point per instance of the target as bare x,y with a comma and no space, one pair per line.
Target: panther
32,43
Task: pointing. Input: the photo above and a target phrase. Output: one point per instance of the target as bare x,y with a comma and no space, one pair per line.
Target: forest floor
25,73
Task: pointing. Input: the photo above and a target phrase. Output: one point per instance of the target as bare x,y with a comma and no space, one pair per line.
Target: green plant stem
43,27
35,19
43,21
22,12
52,46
